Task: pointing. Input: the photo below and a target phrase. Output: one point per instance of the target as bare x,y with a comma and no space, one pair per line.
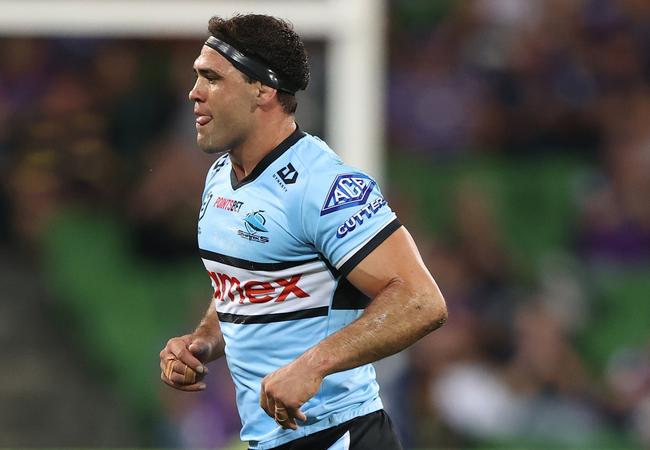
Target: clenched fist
284,391
182,362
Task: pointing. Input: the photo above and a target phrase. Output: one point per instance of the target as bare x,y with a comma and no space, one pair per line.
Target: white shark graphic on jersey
277,246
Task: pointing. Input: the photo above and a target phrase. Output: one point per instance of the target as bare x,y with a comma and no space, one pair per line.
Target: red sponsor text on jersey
228,204
255,291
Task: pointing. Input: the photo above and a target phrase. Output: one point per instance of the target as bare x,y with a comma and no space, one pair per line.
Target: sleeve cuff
372,244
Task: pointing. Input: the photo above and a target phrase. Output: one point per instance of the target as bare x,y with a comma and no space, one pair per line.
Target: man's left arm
406,306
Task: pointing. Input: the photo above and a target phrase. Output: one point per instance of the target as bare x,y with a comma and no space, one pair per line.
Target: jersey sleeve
346,217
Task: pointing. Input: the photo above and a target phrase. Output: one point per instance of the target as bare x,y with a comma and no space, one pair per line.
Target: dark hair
271,40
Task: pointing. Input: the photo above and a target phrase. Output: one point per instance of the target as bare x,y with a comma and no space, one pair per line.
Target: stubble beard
208,144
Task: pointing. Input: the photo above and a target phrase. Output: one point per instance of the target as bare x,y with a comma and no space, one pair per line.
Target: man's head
250,62
269,40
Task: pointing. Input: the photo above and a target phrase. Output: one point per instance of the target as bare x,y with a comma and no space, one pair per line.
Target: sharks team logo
347,190
254,222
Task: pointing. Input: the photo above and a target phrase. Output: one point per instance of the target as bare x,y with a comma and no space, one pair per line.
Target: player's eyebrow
208,73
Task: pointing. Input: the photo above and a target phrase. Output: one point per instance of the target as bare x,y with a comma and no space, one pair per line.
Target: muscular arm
406,306
209,330
182,361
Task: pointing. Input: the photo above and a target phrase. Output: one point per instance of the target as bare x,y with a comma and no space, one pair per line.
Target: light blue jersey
277,246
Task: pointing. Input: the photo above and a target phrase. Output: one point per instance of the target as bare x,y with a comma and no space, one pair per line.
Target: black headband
250,66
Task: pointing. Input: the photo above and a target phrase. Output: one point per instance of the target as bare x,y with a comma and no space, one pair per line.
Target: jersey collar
267,160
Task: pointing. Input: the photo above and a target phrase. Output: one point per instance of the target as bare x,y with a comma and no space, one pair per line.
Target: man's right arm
182,361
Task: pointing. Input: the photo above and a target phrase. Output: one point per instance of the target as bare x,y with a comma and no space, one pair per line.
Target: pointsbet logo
279,290
228,204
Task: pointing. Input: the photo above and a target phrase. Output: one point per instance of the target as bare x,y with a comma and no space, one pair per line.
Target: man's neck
262,141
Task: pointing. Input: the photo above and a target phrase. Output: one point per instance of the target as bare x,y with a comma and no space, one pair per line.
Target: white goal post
353,30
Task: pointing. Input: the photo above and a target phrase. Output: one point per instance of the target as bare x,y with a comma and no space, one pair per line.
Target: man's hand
182,362
284,391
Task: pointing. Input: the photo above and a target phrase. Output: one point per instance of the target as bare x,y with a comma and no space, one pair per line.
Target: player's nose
196,94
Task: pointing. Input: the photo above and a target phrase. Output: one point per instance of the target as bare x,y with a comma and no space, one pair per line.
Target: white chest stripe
246,292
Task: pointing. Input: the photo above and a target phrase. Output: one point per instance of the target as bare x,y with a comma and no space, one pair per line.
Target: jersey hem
328,422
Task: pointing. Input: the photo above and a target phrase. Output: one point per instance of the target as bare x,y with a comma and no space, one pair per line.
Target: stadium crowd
105,126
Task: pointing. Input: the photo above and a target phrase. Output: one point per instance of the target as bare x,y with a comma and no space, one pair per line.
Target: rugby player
314,277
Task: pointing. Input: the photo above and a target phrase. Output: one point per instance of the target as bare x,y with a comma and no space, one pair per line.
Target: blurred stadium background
513,138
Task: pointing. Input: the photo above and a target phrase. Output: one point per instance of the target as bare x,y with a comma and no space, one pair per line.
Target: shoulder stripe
252,265
372,244
278,317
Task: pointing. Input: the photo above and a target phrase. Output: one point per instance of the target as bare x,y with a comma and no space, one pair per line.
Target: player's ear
265,95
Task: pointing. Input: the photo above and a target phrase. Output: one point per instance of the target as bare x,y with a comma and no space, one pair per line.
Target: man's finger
189,376
169,368
297,413
290,423
287,423
200,349
196,387
280,414
180,351
184,375
163,364
270,404
181,380
283,418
